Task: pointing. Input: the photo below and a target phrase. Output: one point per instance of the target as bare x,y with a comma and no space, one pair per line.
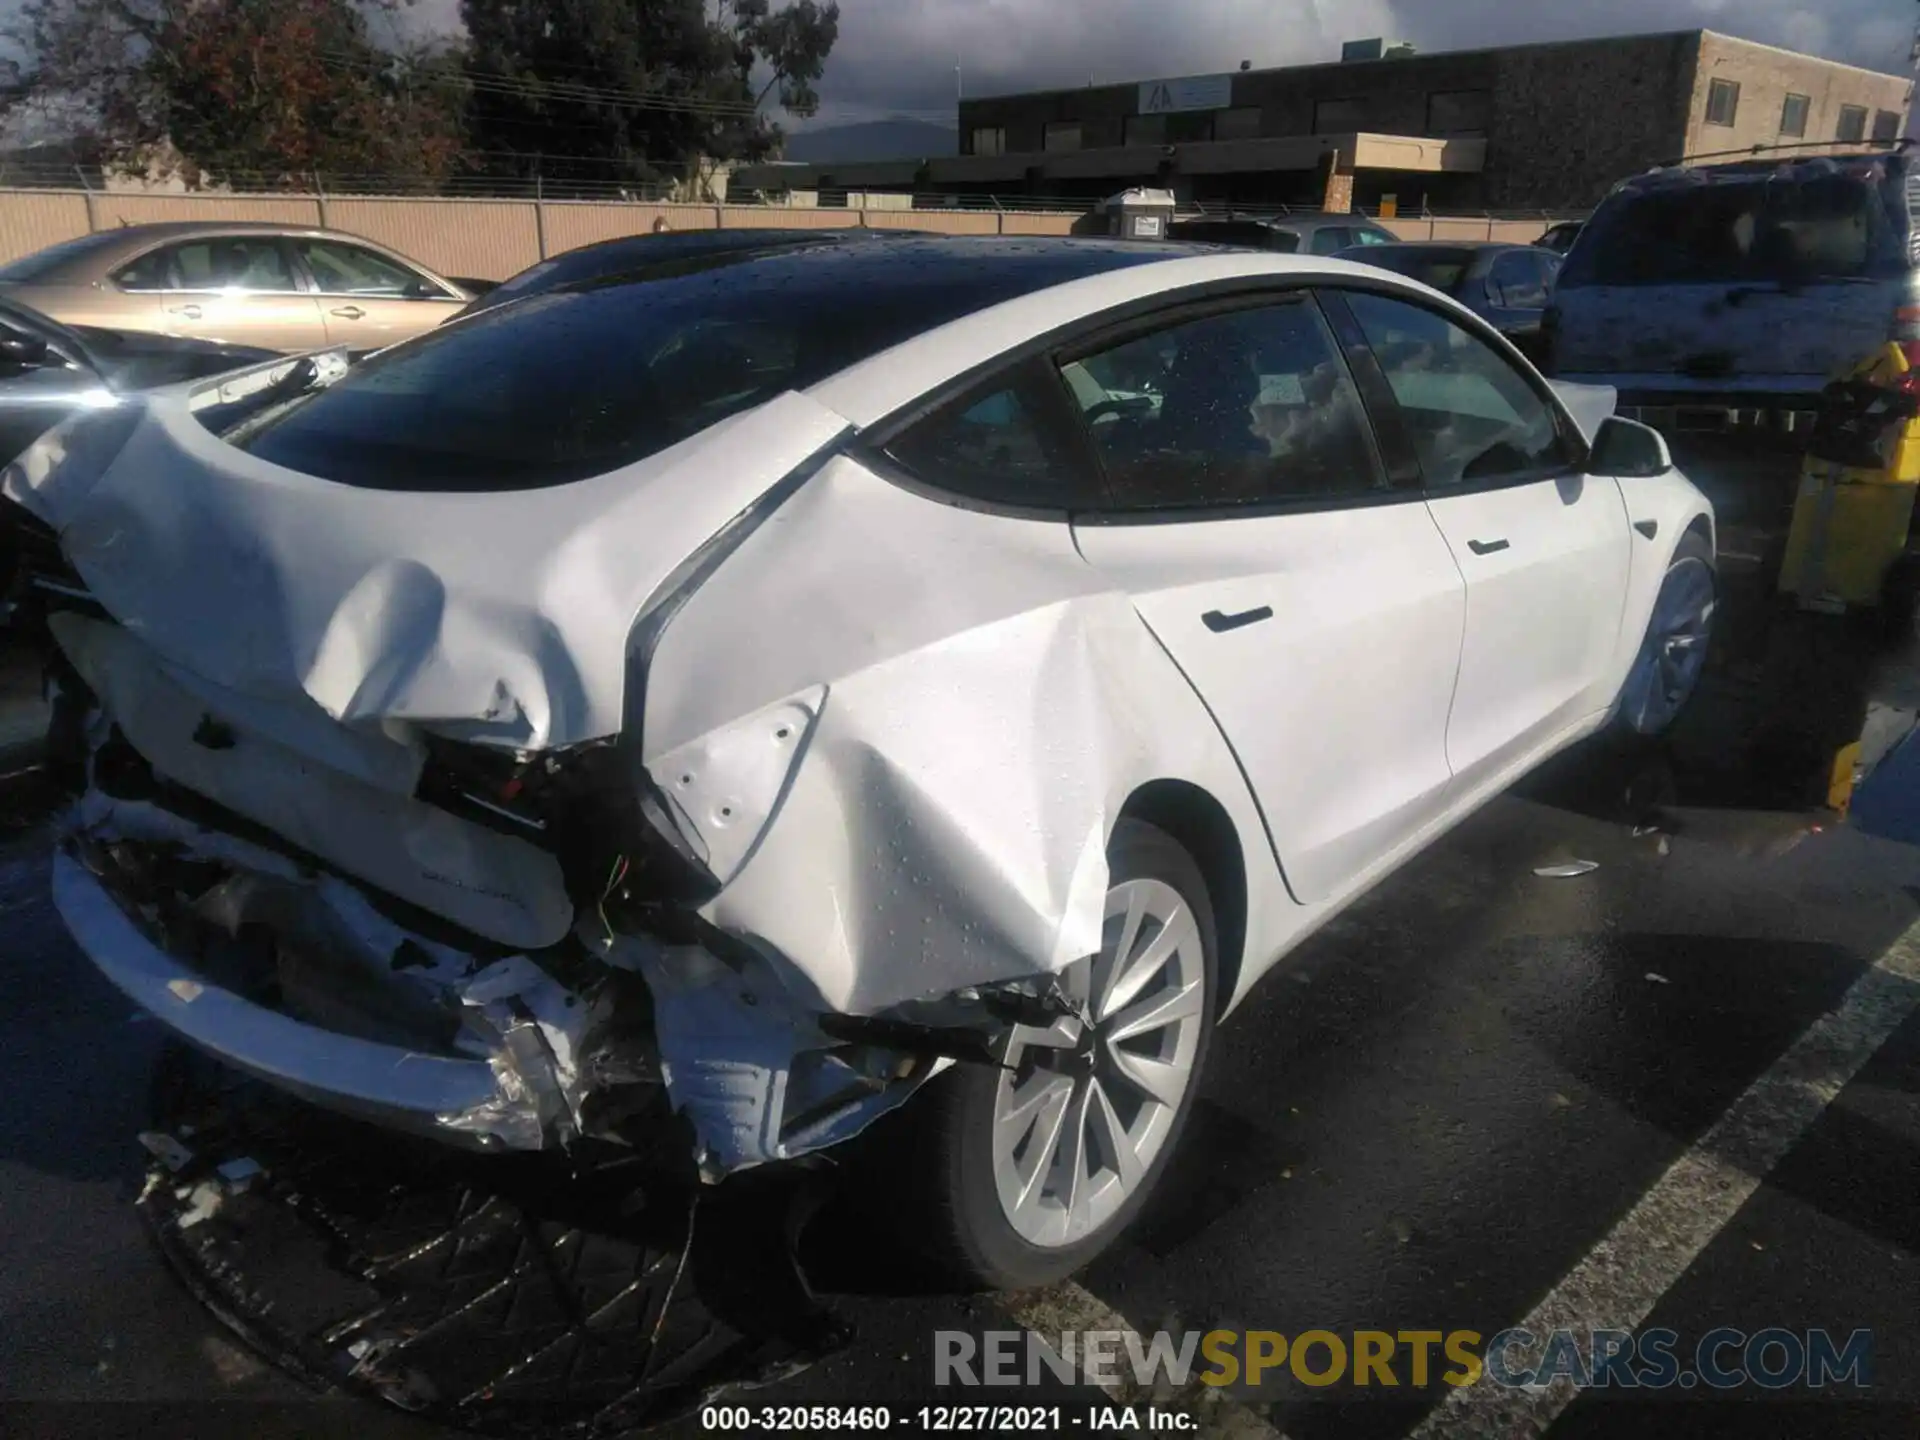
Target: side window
150,272
1514,282
1246,408
1471,415
991,445
350,270
1332,239
1373,237
1549,270
232,262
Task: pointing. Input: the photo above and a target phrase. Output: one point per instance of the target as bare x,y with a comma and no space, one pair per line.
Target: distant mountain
873,140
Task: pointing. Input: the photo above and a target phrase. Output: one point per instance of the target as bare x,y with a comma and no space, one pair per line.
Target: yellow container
1850,525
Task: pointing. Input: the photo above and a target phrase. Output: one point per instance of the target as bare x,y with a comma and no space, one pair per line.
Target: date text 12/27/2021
944,1419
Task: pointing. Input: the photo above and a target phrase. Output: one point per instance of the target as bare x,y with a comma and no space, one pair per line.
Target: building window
1459,112
1793,116
1061,135
1145,130
1886,126
1853,124
1723,102
989,140
1339,117
1241,124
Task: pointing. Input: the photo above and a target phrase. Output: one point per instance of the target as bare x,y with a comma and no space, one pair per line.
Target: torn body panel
946,824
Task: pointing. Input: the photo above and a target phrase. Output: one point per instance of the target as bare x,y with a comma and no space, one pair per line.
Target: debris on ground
500,1295
1567,870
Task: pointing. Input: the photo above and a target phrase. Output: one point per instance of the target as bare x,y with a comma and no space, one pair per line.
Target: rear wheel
1030,1171
1673,655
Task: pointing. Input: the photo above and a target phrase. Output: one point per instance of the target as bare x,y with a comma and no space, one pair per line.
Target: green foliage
591,91
242,92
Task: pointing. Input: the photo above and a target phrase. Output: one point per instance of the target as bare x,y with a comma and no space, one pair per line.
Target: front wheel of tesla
1037,1167
1673,655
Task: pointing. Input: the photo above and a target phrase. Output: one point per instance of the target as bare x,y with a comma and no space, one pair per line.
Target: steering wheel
1114,408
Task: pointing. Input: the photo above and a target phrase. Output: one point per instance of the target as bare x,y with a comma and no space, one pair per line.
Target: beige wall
492,239
1766,77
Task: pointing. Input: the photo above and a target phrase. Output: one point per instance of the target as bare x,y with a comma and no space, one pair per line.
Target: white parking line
1068,1306
1621,1279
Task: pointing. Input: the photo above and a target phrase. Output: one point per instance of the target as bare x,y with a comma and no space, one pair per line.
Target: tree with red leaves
247,93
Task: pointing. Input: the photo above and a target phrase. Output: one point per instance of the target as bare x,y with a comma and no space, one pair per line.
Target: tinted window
990,446
1441,268
1515,282
151,271
256,264
1330,239
582,380
351,270
1825,226
1373,237
1473,417
1245,408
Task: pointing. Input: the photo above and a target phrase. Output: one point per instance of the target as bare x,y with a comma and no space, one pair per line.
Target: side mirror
1629,450
21,351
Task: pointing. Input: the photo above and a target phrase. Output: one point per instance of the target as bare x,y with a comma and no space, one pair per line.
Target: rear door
1753,282
239,289
1315,608
370,300
1543,547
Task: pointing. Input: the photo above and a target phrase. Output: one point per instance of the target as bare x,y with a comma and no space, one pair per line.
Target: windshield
43,262
1769,229
1442,269
583,380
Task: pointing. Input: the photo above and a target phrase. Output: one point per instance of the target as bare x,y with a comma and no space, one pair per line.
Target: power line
550,90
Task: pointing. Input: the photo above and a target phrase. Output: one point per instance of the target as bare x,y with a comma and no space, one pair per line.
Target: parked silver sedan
276,287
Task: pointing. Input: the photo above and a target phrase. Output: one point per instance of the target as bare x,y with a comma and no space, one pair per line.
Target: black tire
950,1210
1693,547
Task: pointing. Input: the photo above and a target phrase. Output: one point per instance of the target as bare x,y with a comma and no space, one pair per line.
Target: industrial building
1527,127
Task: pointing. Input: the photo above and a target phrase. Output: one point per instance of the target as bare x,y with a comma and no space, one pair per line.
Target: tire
1666,672
955,1212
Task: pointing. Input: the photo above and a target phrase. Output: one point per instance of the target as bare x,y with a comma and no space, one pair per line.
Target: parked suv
1747,286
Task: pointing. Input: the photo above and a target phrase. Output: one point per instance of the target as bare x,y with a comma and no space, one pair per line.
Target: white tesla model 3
762,685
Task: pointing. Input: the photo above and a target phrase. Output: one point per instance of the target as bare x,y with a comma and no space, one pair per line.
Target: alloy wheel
1671,659
1084,1107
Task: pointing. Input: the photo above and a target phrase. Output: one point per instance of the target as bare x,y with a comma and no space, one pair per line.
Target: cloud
899,56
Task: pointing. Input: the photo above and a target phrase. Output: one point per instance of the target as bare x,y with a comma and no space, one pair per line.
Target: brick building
1529,127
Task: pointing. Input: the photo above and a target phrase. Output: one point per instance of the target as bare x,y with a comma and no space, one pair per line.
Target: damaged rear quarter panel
989,708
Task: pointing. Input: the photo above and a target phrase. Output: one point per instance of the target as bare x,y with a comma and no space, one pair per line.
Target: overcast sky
898,56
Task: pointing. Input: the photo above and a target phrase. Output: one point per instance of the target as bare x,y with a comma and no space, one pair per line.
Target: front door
1542,546
369,300
1317,612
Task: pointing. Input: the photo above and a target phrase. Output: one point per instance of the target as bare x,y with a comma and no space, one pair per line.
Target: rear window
583,380
43,262
1248,234
1442,269
1768,229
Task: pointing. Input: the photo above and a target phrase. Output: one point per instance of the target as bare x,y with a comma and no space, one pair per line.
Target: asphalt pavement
1680,1090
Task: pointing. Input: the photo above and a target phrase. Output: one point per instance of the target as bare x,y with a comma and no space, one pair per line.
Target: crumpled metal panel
500,614
991,704
496,885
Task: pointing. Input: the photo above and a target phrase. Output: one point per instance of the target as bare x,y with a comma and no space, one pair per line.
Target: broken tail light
621,840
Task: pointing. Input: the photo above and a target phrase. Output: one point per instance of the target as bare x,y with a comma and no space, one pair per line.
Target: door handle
349,312
1219,624
192,312
1487,547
